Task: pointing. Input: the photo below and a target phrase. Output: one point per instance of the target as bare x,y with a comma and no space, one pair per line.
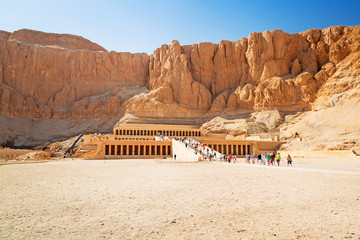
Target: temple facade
155,130
155,141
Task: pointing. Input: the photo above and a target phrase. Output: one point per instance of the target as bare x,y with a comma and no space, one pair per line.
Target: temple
156,141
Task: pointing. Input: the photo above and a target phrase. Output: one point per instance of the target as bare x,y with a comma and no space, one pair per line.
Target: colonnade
139,138
138,150
237,149
142,132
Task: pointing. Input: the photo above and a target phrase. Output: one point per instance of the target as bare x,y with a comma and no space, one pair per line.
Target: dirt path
144,199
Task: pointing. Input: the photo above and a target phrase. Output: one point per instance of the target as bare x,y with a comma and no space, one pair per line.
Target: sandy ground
145,199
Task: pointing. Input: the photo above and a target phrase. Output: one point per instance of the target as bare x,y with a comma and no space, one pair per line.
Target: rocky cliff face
269,70
51,77
333,123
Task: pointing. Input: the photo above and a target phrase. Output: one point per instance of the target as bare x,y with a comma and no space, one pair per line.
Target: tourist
174,156
272,159
263,158
289,160
252,158
268,159
247,158
259,159
278,158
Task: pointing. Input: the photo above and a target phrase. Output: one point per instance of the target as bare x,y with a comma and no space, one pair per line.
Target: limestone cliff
56,76
266,71
51,78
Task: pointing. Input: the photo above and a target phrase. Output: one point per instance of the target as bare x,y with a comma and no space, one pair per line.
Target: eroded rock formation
269,70
51,77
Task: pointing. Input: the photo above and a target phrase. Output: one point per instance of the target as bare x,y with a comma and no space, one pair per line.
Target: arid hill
58,85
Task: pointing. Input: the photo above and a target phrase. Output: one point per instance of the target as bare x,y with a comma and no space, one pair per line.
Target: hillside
54,86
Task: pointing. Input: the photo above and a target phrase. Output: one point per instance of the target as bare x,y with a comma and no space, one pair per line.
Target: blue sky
143,26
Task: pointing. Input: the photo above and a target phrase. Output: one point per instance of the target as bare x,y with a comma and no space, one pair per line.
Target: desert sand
147,199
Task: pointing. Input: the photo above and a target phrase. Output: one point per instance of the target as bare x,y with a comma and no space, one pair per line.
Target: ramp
184,154
74,143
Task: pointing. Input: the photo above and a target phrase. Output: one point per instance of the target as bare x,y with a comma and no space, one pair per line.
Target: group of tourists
161,138
228,158
268,159
206,153
262,159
